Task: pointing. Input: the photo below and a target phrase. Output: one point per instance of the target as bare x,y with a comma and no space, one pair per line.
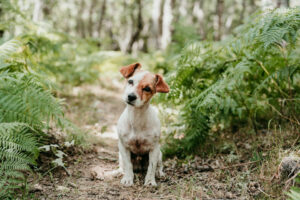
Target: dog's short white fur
139,125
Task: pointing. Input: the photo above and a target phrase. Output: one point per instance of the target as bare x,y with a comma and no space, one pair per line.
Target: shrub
248,79
18,151
27,109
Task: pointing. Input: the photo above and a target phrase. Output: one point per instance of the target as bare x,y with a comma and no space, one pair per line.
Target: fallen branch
237,165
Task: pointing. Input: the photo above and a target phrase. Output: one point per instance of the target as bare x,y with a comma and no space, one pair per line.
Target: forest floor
96,108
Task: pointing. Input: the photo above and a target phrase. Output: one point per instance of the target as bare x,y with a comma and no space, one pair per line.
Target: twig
107,158
296,140
296,174
291,120
265,193
277,174
237,165
266,71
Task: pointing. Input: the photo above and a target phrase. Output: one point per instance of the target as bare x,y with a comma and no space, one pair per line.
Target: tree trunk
37,14
136,34
278,4
252,6
242,15
91,11
157,20
198,14
1,31
284,3
167,20
219,10
102,14
79,22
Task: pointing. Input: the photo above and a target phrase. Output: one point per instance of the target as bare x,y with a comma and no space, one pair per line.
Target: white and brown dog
139,125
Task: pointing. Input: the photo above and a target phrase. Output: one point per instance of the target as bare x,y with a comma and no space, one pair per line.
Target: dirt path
97,110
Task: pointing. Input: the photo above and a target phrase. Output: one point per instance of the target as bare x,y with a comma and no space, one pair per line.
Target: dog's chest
139,143
140,132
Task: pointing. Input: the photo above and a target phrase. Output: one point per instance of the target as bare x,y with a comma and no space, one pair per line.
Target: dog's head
141,85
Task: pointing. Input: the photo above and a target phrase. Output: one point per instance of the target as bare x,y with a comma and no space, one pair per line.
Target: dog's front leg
127,165
153,159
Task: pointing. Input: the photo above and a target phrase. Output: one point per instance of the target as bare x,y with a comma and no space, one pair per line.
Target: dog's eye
130,82
147,89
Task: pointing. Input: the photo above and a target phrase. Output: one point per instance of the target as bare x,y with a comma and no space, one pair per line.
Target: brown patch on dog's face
149,85
146,87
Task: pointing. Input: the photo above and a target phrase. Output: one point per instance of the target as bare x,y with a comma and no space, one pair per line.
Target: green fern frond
9,48
234,82
24,100
18,151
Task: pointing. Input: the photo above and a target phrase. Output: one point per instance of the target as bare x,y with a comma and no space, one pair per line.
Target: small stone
36,188
205,168
247,146
186,170
63,188
219,194
193,165
73,185
229,195
289,166
252,189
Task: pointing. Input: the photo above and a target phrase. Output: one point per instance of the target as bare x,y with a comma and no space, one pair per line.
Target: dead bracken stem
265,193
236,165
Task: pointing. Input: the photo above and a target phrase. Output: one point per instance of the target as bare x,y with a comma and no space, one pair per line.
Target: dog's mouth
130,103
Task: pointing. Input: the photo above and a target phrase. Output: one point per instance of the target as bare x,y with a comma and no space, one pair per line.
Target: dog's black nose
131,97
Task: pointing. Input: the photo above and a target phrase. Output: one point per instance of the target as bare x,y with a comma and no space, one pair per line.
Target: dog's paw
127,181
150,182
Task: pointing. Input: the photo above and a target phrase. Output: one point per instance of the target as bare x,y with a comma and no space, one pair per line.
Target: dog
139,126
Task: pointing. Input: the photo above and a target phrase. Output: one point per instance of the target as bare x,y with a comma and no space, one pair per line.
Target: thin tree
102,14
157,20
139,27
167,20
91,12
79,22
219,10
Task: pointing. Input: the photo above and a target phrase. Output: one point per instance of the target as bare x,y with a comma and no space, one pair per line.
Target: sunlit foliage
250,79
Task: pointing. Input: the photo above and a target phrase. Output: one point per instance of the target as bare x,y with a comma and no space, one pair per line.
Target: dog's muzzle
131,98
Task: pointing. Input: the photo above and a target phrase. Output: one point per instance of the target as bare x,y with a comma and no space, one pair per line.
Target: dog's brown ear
128,71
161,85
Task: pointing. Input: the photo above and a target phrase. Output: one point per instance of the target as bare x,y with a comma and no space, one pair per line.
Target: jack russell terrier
139,125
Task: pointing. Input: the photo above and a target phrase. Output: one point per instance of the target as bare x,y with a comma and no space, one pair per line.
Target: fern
240,81
24,100
29,64
18,151
9,48
27,109
294,192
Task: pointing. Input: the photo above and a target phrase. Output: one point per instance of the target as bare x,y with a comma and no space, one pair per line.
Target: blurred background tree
135,25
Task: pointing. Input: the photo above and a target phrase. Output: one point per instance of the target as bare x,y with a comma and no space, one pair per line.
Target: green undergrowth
249,80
